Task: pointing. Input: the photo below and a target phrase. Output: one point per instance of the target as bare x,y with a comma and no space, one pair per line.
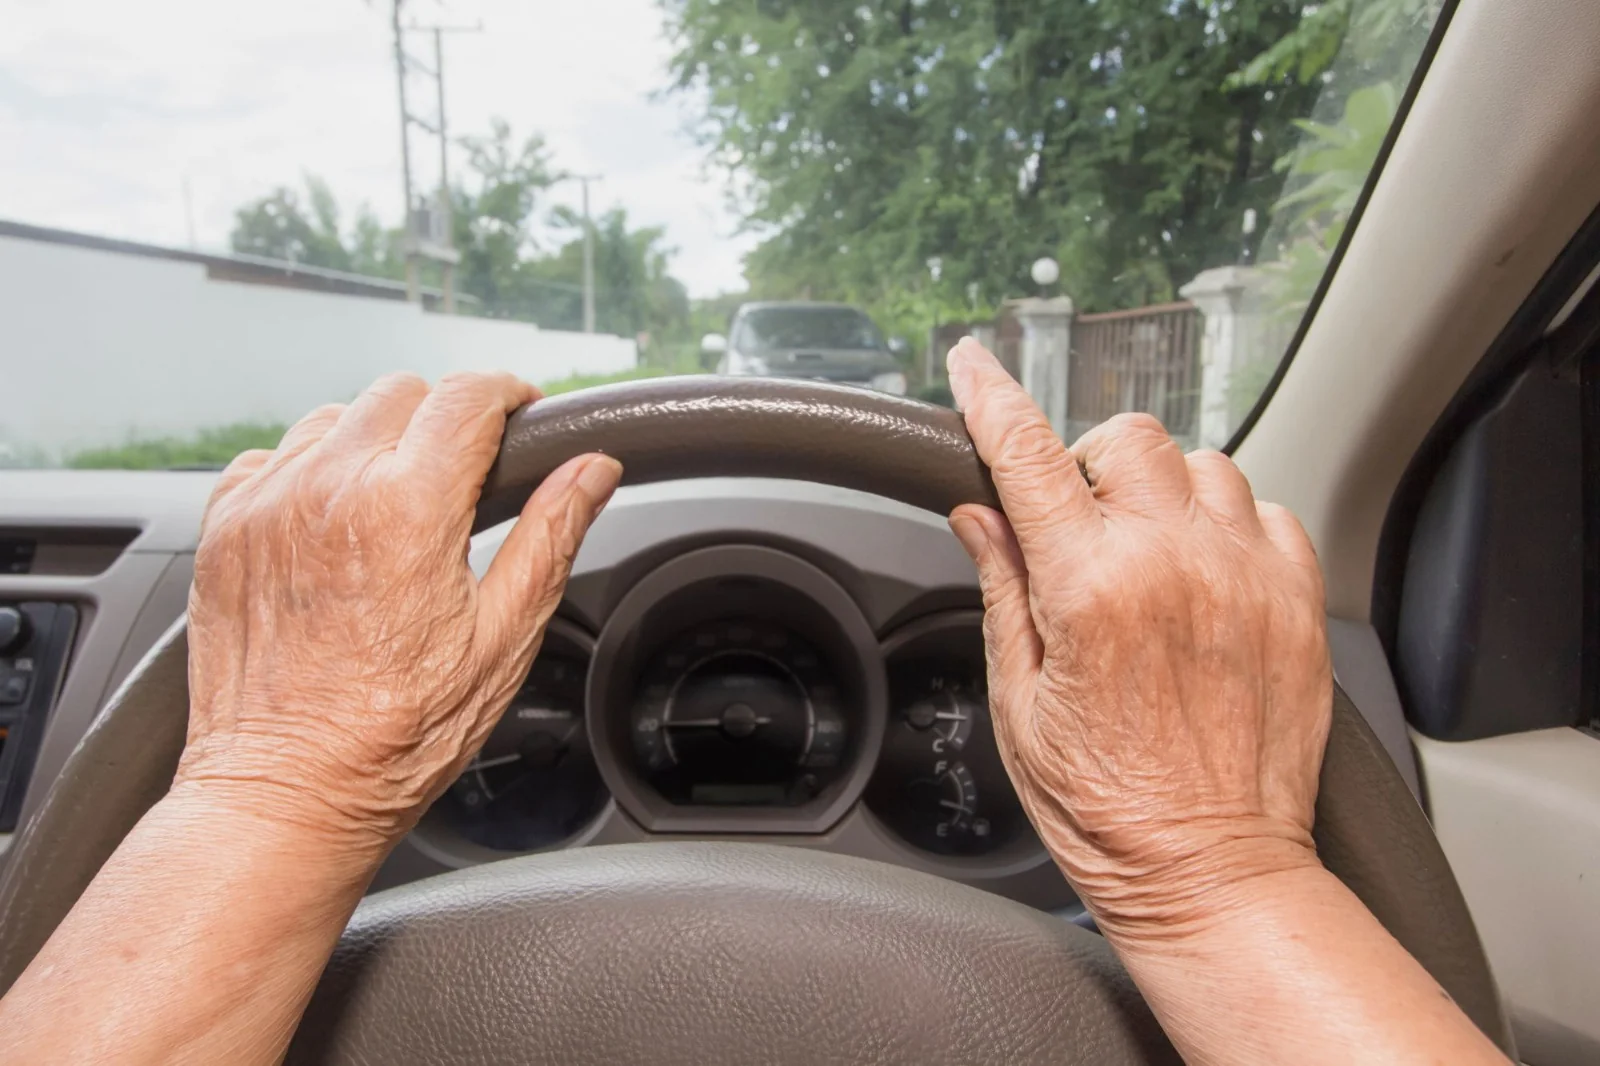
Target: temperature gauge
946,716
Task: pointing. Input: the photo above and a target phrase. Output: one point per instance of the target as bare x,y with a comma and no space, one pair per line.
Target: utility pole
405,149
444,171
588,259
434,244
444,253
588,248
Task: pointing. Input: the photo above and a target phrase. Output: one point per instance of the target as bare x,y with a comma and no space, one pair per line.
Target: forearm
1291,967
199,941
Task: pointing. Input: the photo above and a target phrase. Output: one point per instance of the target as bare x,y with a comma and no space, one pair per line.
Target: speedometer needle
704,723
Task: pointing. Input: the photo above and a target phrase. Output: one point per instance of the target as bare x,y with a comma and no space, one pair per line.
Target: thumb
525,581
1011,643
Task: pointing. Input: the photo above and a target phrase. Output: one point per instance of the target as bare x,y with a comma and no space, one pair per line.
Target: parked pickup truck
820,341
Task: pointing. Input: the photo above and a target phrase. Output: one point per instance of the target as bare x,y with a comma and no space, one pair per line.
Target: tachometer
534,783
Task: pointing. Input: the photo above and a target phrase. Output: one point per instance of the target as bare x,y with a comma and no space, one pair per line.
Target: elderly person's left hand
344,662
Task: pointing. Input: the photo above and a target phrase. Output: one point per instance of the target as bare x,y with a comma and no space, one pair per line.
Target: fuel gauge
949,802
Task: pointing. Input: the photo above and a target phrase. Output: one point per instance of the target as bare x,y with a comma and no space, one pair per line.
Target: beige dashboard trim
1519,819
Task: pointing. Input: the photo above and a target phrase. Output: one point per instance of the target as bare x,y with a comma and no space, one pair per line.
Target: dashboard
734,659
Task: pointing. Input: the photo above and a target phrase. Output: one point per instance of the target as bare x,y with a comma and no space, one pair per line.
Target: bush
210,448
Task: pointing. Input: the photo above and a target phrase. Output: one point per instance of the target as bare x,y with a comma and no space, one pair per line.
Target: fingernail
958,364
969,533
598,479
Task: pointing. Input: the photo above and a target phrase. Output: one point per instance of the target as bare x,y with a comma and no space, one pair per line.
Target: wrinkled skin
1158,661
342,655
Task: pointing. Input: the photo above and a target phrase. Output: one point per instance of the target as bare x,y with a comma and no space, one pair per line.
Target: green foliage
496,209
1375,44
1336,159
208,448
278,227
635,292
492,214
1301,54
589,381
915,158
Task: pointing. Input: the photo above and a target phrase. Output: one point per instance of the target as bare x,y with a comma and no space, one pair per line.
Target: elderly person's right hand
1158,661
1161,691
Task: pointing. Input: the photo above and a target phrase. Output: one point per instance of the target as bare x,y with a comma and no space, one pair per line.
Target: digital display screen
738,795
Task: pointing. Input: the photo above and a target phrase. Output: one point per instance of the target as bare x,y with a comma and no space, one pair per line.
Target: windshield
773,328
219,216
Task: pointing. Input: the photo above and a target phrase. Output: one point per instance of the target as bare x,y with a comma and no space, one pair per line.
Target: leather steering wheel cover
668,429
1370,831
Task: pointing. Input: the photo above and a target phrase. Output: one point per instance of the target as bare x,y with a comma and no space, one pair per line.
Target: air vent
62,551
16,554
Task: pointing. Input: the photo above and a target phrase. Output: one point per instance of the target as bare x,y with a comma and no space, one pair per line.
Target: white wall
98,347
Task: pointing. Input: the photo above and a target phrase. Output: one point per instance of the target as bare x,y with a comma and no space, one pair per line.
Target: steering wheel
725,952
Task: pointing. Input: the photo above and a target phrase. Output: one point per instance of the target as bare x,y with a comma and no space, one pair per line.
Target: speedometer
738,712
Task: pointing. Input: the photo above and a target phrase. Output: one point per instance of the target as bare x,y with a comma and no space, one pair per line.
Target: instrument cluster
740,690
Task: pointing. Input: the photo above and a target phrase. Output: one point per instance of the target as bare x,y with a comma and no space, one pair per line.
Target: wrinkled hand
344,662
1158,666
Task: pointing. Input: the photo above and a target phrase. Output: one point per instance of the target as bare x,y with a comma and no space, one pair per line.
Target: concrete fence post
1221,295
1046,351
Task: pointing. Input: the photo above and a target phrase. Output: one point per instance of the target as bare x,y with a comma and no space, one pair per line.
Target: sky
110,109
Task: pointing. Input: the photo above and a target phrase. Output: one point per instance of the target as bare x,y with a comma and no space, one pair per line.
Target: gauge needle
954,806
954,716
489,764
705,723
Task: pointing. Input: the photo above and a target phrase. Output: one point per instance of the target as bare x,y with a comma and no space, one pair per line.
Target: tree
1358,54
491,216
277,227
936,148
495,211
635,291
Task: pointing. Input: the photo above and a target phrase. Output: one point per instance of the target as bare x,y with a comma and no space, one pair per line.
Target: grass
208,448
586,381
